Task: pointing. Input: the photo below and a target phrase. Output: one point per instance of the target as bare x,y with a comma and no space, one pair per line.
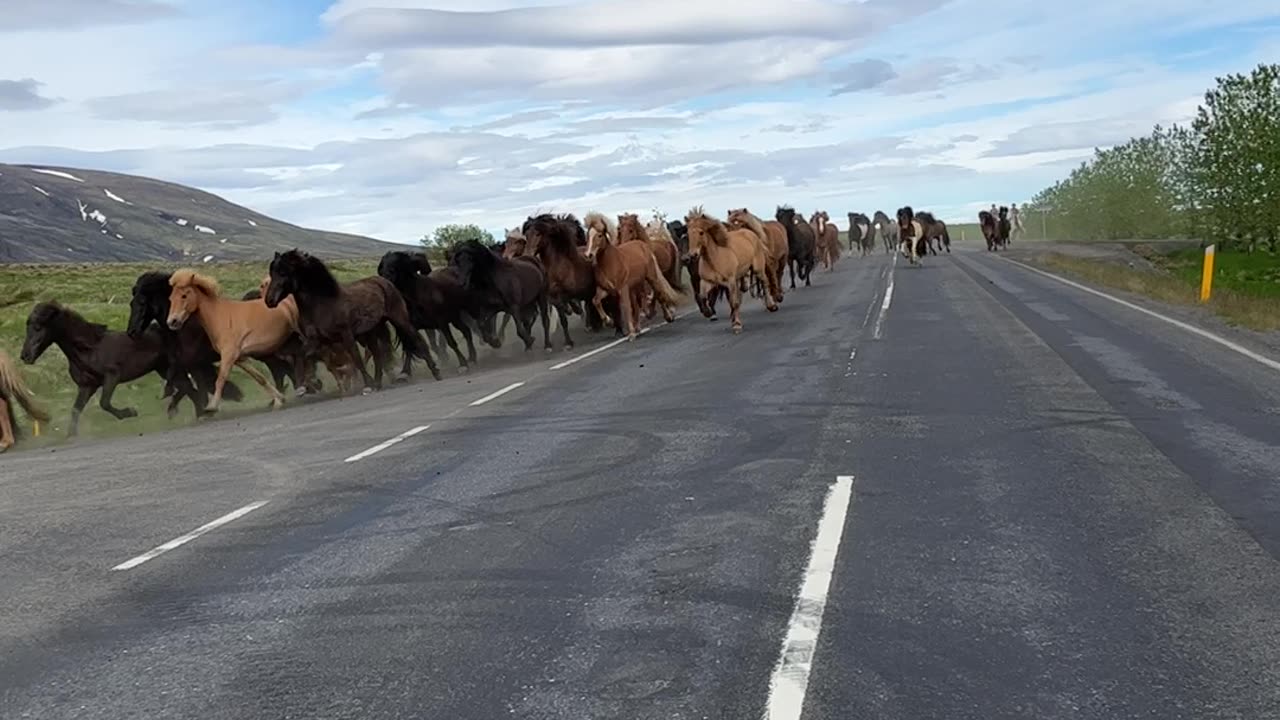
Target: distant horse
188,349
337,315
99,358
726,256
861,234
1002,227
622,270
774,237
935,232
14,391
888,230
827,238
517,287
911,235
987,222
432,304
238,329
570,277
664,251
802,245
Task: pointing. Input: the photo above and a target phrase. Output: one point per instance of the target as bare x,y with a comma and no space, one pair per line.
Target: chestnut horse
664,250
725,256
13,391
238,329
774,237
622,270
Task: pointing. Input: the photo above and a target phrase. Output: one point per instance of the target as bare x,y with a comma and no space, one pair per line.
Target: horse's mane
152,283
480,259
752,222
711,226
631,221
657,228
51,311
187,277
401,267
559,231
984,217
311,273
594,219
906,214
926,218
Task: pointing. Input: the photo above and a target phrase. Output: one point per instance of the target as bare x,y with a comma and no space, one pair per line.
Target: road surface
1034,502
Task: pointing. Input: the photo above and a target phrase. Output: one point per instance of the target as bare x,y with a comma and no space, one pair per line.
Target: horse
664,251
774,237
14,391
188,349
987,222
934,230
432,304
827,237
552,239
801,244
860,234
99,358
285,362
622,270
238,329
333,314
888,231
726,255
1002,227
680,234
911,234
517,287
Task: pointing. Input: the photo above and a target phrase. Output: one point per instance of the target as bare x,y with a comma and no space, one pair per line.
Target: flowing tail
666,293
13,386
673,275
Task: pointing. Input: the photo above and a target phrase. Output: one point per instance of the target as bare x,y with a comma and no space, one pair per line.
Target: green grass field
101,293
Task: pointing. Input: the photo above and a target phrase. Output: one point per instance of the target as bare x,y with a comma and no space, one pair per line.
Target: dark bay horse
802,244
553,239
935,231
987,222
861,233
517,287
434,302
335,314
188,348
100,358
1003,227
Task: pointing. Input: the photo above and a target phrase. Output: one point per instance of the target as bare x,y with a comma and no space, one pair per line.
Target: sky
388,118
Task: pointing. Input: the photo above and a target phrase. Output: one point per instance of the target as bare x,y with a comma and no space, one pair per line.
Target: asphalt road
1060,508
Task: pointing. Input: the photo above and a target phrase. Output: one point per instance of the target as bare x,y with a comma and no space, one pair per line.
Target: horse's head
284,276
400,268
785,215
150,301
905,216
186,289
702,231
536,232
44,327
471,260
600,230
629,228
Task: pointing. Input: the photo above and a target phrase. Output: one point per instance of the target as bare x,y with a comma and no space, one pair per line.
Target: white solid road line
184,539
790,680
498,394
884,306
386,444
1264,360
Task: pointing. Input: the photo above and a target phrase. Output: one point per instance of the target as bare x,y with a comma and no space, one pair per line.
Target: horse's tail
667,294
397,313
13,386
673,273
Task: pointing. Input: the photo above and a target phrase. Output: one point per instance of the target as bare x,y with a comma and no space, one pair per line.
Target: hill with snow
55,214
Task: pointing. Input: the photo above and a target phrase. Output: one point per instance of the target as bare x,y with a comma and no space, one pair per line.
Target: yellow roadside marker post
1206,278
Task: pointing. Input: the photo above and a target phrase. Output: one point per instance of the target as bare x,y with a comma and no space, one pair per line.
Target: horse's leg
82,398
6,427
502,329
466,335
598,301
524,325
629,314
564,324
735,306
243,363
546,321
349,344
453,345
109,382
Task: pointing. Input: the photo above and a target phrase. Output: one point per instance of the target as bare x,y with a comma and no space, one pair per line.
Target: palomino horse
888,230
622,270
99,358
801,244
238,329
911,234
827,238
860,234
726,255
334,316
664,250
987,222
774,237
13,391
553,240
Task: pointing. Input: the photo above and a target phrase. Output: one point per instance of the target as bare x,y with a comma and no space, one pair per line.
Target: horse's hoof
211,410
568,347
463,370
550,349
366,390
737,329
435,373
772,308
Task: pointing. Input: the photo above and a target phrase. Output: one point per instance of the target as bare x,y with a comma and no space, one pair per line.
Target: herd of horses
611,271
996,227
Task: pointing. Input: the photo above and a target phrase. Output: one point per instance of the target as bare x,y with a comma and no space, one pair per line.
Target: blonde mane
601,223
713,227
658,230
190,278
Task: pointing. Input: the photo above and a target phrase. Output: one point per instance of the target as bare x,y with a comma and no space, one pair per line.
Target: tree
447,236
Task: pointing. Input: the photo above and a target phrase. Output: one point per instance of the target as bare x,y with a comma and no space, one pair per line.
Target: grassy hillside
54,214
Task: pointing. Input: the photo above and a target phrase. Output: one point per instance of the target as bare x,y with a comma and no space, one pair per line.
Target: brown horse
621,270
664,250
13,391
570,276
935,232
987,222
774,237
911,235
860,234
726,255
828,239
238,329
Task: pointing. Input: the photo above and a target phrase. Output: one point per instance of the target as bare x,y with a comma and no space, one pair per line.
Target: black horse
802,245
101,358
188,349
435,301
517,287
